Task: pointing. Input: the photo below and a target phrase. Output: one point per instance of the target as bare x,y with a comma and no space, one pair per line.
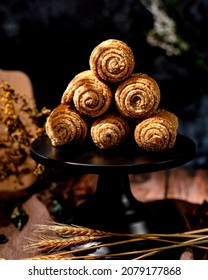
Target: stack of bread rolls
111,103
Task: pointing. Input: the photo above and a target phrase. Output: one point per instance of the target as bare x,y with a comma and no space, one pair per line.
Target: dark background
52,40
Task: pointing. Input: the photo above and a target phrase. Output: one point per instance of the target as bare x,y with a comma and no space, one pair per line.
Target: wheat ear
69,230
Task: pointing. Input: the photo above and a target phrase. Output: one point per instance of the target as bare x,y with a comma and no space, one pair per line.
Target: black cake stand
112,207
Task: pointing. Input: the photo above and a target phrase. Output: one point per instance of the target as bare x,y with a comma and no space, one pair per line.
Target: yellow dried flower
16,134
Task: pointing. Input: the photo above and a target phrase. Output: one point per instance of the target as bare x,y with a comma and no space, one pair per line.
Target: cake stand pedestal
112,207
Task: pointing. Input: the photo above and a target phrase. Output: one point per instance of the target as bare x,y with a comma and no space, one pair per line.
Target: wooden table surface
179,190
181,183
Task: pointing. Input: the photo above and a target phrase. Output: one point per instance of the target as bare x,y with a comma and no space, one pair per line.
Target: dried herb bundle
19,125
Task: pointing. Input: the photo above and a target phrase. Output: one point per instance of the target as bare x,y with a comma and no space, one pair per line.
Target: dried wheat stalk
49,245
68,237
69,230
50,257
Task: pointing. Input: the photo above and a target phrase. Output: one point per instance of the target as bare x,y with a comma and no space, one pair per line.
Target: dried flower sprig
20,125
64,241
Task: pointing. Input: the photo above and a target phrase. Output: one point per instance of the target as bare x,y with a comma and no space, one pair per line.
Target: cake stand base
113,207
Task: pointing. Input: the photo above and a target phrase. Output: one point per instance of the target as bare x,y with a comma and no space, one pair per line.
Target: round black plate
129,158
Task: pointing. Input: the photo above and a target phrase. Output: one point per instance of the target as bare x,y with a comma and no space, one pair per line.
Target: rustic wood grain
188,184
149,186
179,183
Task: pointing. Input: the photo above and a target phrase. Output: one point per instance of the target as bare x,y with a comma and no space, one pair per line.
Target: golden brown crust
169,116
109,131
138,96
65,125
88,94
157,132
112,60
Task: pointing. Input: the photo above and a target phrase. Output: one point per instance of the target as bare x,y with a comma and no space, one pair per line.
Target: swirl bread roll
157,132
109,131
112,60
90,96
138,96
64,125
